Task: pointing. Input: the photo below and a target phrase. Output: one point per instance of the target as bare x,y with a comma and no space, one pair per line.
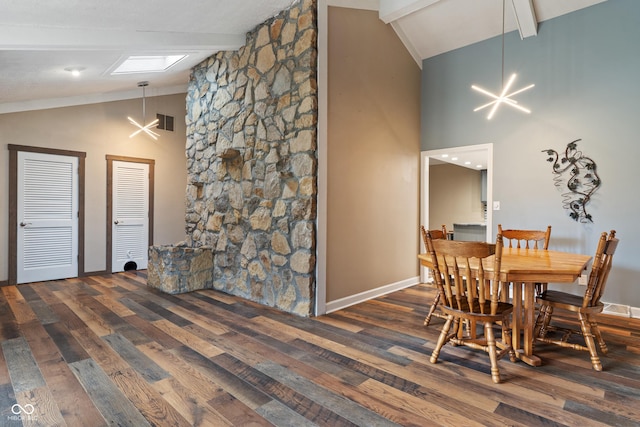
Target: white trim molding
345,302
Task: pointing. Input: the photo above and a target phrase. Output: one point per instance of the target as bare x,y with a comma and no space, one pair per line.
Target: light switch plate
496,206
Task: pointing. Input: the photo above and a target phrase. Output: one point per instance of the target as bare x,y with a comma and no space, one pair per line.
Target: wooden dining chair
585,306
435,234
469,295
528,239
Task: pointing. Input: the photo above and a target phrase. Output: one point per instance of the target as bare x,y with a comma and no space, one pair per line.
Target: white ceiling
39,39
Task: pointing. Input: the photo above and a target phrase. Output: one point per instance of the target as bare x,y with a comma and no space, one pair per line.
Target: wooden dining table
524,268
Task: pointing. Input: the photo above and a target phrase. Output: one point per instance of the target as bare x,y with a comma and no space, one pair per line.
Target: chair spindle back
529,238
460,275
602,262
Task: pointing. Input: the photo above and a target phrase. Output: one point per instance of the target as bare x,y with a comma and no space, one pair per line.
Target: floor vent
617,309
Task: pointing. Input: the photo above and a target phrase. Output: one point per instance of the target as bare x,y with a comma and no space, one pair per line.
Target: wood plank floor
106,350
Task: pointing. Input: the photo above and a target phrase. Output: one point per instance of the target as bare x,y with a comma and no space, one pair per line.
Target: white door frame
424,187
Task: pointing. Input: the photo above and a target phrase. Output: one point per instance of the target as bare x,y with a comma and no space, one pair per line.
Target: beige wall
373,155
98,130
454,196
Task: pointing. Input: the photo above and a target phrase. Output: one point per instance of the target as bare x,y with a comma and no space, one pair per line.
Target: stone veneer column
251,156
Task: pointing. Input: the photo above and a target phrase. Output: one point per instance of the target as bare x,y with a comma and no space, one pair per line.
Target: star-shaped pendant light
144,127
504,97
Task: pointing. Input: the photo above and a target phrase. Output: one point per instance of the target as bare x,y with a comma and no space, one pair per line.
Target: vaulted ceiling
40,39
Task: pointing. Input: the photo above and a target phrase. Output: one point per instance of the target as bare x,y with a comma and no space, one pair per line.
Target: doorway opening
431,157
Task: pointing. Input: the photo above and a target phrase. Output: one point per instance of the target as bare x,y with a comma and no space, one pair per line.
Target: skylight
148,64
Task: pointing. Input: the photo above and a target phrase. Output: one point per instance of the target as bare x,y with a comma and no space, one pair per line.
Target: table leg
528,323
516,320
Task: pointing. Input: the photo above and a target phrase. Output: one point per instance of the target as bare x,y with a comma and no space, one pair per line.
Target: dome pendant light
504,97
144,127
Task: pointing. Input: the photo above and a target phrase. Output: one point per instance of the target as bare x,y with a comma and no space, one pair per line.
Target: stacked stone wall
251,157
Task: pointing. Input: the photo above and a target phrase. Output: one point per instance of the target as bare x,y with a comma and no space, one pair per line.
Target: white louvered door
130,228
47,217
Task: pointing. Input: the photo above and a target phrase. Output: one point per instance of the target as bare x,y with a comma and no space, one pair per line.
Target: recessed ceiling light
478,166
75,71
147,64
467,163
444,156
454,158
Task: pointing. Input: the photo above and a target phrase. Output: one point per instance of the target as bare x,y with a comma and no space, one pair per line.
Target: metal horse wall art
578,173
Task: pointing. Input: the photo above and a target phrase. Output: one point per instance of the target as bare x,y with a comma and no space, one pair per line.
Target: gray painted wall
586,67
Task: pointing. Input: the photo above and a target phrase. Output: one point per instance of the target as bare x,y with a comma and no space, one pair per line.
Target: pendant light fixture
504,97
144,127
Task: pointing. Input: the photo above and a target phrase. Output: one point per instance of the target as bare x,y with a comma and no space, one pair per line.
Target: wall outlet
582,280
496,206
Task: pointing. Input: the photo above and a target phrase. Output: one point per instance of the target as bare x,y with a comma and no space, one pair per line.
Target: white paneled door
130,227
47,244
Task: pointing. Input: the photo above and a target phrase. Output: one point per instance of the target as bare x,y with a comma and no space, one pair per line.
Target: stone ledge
177,269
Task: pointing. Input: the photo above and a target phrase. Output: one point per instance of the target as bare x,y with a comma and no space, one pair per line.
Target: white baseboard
609,308
345,302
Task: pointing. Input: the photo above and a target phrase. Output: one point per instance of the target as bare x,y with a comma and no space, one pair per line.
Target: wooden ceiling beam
392,10
525,18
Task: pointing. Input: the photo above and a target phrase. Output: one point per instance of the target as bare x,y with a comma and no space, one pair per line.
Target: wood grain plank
187,338
45,409
146,400
201,320
89,319
70,349
142,364
102,354
235,386
75,405
278,391
112,403
22,312
8,324
341,406
114,305
152,333
191,389
138,310
424,408
268,414
7,400
195,411
67,316
21,365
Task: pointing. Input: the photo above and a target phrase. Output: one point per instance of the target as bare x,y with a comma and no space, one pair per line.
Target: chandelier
146,128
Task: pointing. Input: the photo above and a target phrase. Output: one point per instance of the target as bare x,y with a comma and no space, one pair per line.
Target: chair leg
543,320
507,341
596,332
436,300
493,353
588,339
442,339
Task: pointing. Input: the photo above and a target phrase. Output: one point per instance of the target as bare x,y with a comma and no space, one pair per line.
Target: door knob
24,224
116,222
